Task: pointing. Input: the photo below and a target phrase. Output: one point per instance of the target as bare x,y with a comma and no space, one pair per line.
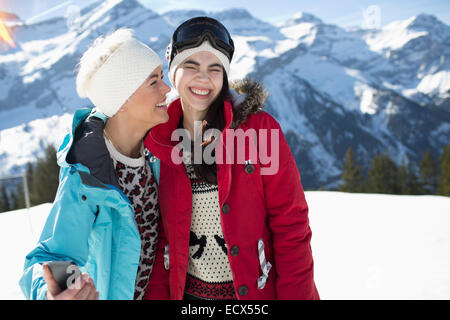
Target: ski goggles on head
193,32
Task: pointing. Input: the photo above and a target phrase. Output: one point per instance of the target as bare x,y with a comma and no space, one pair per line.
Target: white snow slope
365,246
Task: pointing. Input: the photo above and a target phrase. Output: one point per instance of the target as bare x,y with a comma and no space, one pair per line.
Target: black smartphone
64,272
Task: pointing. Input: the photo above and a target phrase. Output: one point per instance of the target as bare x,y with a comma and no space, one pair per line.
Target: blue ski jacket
91,221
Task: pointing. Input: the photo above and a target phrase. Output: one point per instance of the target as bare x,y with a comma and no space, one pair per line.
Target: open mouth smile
200,92
162,104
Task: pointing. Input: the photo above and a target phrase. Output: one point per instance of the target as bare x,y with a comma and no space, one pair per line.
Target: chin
163,119
166,119
201,106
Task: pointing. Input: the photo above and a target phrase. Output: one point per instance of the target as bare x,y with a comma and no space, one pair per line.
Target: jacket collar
79,117
255,96
85,149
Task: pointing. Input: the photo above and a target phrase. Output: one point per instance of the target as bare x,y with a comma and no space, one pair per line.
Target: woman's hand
82,289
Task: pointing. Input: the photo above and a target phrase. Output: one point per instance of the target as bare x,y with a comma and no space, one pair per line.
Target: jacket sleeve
289,223
158,286
64,237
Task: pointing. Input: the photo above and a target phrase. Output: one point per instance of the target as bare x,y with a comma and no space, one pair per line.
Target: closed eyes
156,81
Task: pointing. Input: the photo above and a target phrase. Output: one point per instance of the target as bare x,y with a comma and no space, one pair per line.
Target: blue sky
343,13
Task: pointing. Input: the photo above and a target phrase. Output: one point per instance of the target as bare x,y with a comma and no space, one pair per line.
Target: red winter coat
253,207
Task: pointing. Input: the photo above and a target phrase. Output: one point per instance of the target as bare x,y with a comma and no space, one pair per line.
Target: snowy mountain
357,255
378,91
418,49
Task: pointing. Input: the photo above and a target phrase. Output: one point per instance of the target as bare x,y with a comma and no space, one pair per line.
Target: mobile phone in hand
64,272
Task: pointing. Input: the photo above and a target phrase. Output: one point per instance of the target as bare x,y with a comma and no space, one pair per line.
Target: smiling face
199,80
148,103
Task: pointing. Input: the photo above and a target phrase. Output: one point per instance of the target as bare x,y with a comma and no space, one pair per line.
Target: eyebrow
198,64
154,75
192,62
215,65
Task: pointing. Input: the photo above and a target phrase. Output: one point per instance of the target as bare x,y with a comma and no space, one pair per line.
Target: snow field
365,246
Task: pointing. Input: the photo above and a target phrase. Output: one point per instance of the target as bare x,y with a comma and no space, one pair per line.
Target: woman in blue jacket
105,214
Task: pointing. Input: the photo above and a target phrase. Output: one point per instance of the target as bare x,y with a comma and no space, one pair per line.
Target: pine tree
402,177
44,179
407,181
428,173
444,178
4,201
15,195
352,173
18,196
383,175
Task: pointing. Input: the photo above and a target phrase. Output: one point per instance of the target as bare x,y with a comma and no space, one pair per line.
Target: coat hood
85,146
253,95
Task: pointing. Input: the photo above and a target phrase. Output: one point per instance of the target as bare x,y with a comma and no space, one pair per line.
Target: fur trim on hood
255,96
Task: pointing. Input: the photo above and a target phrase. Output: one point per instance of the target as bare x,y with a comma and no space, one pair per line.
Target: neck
126,137
190,117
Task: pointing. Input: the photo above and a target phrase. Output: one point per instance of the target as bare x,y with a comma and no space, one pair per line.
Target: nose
203,75
165,88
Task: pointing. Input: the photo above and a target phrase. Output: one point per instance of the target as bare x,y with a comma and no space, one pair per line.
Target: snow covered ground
19,232
373,246
365,246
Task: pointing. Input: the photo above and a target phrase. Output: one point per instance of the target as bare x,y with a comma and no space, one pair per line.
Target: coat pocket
265,265
166,257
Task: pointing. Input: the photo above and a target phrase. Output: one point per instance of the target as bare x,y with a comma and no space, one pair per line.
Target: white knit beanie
183,55
110,85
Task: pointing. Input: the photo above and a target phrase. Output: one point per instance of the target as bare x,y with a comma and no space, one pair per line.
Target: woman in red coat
234,215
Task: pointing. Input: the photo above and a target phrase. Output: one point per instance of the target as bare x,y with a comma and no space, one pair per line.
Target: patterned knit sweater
209,275
138,184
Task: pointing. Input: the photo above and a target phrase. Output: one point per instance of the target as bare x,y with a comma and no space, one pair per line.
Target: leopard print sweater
139,185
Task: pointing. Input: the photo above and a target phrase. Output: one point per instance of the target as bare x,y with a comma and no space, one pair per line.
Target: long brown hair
215,119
